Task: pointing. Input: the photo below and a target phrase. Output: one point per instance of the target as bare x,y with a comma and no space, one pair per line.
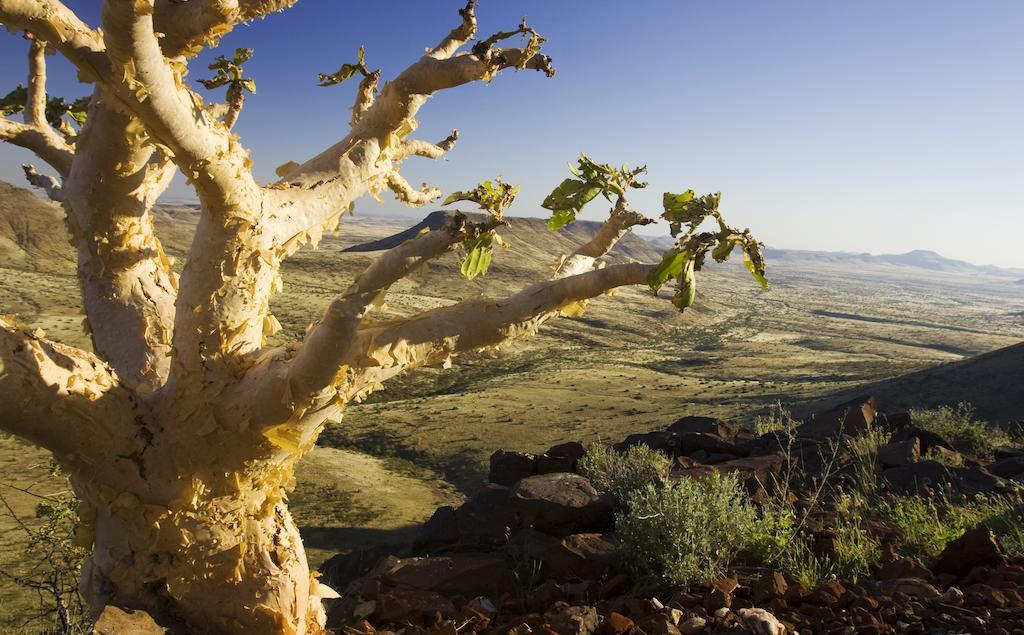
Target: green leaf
249,85
688,208
560,219
753,259
723,249
492,197
14,101
686,289
347,71
79,109
479,252
242,55
671,265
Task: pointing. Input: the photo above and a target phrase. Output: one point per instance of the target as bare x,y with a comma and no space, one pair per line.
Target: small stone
900,453
953,597
761,622
692,626
615,624
770,586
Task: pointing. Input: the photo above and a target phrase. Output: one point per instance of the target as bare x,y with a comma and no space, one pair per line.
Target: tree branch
44,182
64,400
188,27
434,335
330,340
45,143
417,147
128,288
35,104
407,193
364,96
457,38
52,22
618,224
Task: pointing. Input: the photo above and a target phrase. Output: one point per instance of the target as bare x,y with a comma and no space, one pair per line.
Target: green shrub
619,474
960,428
929,524
688,531
777,419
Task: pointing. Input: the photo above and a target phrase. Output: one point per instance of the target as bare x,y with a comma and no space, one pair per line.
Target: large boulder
926,438
661,440
928,475
1008,467
704,425
852,418
561,504
483,522
579,556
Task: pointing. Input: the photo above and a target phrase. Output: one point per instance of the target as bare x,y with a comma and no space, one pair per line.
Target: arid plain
830,325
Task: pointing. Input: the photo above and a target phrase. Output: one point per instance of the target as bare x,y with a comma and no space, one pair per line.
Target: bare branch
328,343
464,32
434,335
618,223
188,27
35,106
45,182
407,193
45,143
416,147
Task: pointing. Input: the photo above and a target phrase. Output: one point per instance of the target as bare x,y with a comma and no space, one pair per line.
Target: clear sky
871,126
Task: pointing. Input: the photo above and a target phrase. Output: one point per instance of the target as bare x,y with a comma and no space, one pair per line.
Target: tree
180,431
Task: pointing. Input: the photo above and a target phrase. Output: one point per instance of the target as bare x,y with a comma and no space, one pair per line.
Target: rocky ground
535,550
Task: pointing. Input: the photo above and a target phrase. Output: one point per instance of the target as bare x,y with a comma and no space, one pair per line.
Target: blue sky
871,126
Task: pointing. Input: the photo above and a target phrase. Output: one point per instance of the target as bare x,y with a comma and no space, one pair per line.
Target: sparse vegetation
959,426
619,474
689,531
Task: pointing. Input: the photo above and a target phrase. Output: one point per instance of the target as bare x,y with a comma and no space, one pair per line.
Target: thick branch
64,400
365,95
188,27
35,106
53,23
328,343
128,288
45,143
419,148
434,335
407,193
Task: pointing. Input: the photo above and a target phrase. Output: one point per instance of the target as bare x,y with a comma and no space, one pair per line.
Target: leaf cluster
228,72
56,107
347,71
492,197
591,180
681,262
484,49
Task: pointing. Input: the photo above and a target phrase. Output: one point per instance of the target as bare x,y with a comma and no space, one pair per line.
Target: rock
925,476
720,594
117,621
1008,467
402,606
927,438
560,458
904,568
487,519
575,620
770,586
690,443
662,441
658,624
853,417
693,626
561,504
468,574
586,556
977,547
483,605
899,453
946,457
340,570
615,624
704,425
914,587
441,530
508,467
953,597
761,622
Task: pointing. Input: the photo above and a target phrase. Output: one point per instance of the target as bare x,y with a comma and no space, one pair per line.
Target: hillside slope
32,234
991,382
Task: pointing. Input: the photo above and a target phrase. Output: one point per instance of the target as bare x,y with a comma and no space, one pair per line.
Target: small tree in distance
181,429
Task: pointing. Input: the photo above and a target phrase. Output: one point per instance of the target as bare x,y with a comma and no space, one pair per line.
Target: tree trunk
221,552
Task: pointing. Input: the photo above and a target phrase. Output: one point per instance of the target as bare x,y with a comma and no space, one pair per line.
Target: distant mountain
918,258
32,234
529,234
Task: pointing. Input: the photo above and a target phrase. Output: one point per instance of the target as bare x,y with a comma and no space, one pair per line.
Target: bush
619,474
960,428
688,531
929,524
777,419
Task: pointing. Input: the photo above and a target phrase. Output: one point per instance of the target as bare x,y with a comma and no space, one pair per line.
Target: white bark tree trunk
182,431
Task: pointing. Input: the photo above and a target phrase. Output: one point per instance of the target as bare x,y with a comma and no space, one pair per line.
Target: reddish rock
977,547
401,606
561,504
560,458
853,417
616,624
769,586
468,575
575,620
